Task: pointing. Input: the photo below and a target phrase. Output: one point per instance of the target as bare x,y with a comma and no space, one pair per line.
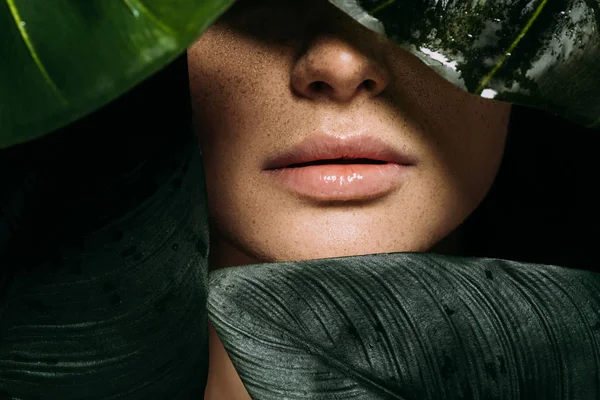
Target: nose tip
333,69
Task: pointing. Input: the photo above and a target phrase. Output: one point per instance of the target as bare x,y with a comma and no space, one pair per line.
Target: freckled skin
253,98
252,78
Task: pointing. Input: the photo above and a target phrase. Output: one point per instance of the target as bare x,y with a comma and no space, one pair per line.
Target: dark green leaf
410,326
538,53
62,59
103,254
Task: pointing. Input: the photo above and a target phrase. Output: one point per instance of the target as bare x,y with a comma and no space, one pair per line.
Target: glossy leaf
410,326
538,53
61,59
103,254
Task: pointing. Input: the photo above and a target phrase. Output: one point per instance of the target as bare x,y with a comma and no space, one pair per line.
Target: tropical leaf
103,254
410,326
62,59
539,53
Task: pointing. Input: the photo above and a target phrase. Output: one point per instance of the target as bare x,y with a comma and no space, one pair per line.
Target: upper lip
331,148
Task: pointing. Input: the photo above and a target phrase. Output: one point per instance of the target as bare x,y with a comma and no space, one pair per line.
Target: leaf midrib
316,350
486,79
31,48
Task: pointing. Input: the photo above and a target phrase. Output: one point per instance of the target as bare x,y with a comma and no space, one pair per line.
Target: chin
320,245
253,249
294,231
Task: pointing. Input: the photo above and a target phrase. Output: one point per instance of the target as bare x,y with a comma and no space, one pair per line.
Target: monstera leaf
538,53
63,59
410,326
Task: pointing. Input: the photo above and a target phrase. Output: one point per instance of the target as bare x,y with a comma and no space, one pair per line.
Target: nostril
342,89
317,86
369,84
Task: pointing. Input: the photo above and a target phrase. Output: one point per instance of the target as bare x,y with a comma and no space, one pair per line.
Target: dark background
58,188
543,206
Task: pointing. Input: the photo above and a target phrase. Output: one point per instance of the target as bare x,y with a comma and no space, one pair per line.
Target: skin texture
270,74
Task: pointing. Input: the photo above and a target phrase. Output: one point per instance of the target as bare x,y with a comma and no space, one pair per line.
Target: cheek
472,143
469,146
462,135
214,81
236,84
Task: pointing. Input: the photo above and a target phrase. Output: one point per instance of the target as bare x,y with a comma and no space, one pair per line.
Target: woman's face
282,90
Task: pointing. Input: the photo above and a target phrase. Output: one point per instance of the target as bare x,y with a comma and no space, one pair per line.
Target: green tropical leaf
62,59
103,254
410,326
537,53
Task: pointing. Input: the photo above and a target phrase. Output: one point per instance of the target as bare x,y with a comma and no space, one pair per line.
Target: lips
327,168
326,149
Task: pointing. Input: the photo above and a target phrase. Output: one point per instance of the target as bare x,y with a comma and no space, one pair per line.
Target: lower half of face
333,143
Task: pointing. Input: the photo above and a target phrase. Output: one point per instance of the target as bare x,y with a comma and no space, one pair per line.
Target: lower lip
341,182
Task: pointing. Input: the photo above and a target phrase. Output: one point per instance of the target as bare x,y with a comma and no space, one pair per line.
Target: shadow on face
322,138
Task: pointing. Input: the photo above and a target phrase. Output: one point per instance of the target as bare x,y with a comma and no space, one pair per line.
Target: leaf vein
595,124
137,7
513,45
33,53
382,6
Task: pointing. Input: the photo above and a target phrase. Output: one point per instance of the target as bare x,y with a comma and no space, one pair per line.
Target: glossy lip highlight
322,168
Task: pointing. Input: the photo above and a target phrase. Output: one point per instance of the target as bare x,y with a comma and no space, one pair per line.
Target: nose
332,68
